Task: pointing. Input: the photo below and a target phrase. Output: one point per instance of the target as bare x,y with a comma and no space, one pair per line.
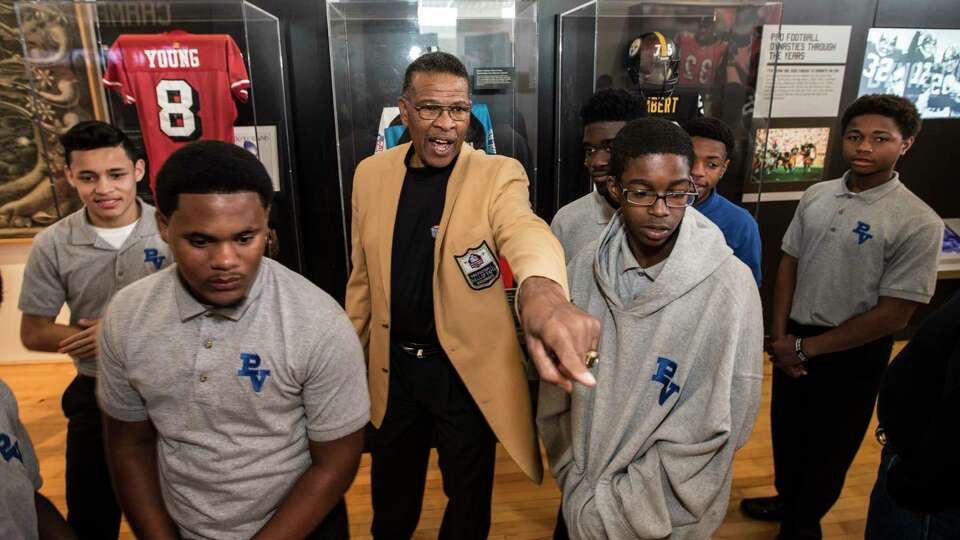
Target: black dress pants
428,403
560,529
817,425
92,509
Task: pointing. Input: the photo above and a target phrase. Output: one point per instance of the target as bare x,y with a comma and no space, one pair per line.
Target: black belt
420,350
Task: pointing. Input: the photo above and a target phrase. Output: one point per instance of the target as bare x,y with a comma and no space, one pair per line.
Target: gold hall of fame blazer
487,206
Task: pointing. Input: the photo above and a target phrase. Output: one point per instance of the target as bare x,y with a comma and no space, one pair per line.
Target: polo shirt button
203,378
208,344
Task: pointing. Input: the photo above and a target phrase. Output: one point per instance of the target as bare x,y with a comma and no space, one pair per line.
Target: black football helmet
653,63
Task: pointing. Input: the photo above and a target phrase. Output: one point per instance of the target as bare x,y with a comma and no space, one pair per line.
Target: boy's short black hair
711,128
93,134
612,105
210,167
435,62
647,136
901,110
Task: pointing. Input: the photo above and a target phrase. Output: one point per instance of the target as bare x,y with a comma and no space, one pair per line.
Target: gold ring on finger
591,358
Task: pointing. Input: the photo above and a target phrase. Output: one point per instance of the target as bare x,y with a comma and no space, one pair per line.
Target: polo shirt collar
189,307
82,232
628,263
603,211
871,195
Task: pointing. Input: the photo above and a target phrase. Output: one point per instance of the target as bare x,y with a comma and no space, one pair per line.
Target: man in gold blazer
430,220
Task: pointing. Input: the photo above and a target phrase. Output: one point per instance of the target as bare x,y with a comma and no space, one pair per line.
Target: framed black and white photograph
919,64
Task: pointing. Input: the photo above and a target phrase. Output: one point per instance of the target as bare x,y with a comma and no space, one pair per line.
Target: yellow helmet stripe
664,54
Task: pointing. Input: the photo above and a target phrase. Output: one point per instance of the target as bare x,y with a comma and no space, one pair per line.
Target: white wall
13,258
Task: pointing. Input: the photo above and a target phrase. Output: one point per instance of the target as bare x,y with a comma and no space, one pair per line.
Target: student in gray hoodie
648,452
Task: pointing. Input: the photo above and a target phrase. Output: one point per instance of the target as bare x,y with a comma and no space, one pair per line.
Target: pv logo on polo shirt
666,369
152,255
250,367
479,266
9,448
862,233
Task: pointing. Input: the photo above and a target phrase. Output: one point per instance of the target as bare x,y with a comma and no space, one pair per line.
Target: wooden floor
521,509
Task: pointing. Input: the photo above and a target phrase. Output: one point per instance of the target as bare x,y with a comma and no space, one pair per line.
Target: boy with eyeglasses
858,258
648,452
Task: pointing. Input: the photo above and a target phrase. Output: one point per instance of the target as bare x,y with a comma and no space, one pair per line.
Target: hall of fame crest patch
479,266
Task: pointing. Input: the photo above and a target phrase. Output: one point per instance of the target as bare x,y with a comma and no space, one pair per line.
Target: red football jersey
181,85
699,63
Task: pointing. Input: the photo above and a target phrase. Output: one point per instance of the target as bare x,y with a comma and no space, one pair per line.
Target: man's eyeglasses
673,199
458,113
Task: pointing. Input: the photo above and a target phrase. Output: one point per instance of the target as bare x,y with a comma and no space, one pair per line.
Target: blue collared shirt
739,229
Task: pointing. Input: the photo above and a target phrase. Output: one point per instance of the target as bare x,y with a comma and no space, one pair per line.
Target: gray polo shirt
634,279
581,222
853,248
234,393
19,473
70,263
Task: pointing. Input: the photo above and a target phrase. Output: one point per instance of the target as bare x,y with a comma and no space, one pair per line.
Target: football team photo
789,154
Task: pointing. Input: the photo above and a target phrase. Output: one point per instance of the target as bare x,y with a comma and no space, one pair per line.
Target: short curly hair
648,136
612,105
93,135
711,128
205,167
901,110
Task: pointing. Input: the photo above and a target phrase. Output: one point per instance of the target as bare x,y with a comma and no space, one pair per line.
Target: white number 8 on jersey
178,106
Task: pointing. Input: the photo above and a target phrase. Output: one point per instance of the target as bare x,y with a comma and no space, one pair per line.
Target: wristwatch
798,348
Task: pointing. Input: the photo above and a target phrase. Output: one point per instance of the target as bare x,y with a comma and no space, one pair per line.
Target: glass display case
167,74
715,47
372,42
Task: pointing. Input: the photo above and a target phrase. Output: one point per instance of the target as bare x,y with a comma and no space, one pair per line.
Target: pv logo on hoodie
666,369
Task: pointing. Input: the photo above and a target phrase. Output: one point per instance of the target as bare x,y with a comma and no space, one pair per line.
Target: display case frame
372,42
592,40
262,123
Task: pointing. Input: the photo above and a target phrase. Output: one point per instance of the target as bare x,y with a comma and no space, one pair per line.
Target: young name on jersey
172,58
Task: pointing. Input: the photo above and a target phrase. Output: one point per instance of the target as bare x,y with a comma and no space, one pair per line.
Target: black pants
429,403
92,509
817,424
560,530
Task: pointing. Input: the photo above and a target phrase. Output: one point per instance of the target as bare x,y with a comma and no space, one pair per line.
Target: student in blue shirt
713,145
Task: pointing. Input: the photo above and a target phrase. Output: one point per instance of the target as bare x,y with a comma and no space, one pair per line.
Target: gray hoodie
648,453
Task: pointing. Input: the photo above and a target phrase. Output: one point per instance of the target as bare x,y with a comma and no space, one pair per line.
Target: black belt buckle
881,435
420,350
